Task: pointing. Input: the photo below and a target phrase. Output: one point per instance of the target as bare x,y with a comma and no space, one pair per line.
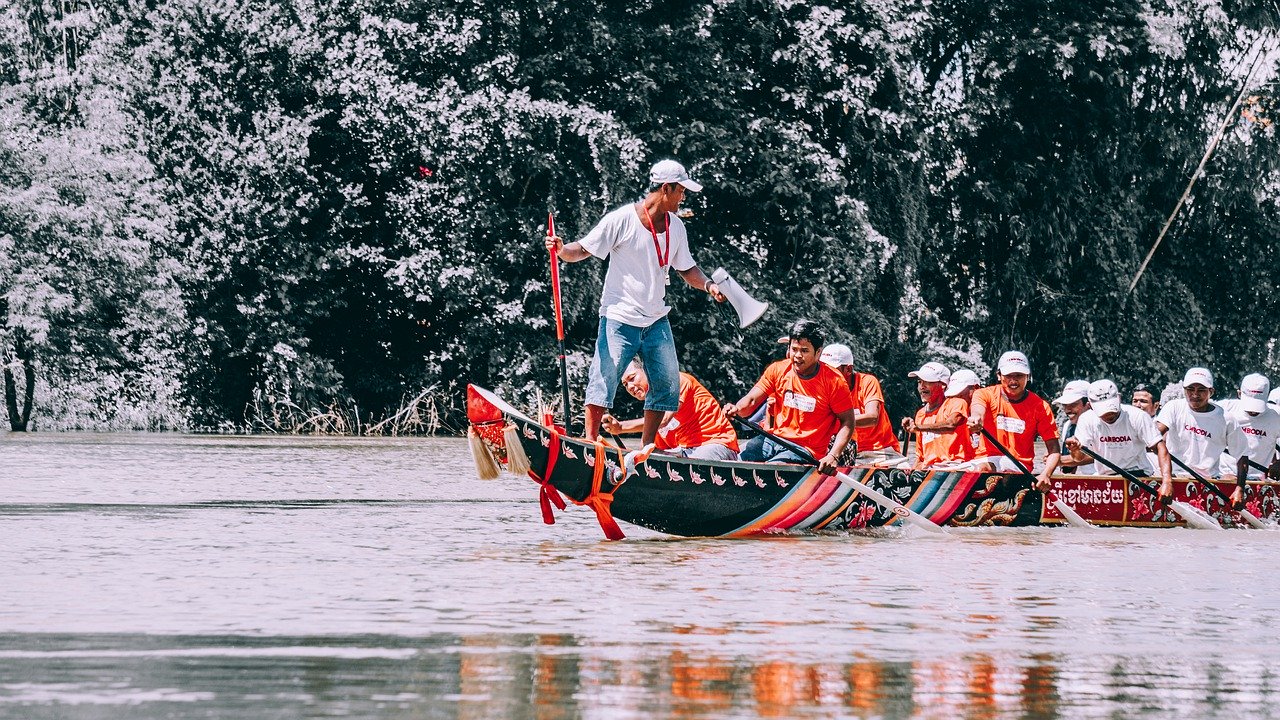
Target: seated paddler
698,427
812,406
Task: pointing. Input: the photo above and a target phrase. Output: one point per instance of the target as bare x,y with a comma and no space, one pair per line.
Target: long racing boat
700,498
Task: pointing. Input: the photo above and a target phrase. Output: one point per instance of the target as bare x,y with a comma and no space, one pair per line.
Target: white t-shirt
635,288
1253,436
1123,442
1195,438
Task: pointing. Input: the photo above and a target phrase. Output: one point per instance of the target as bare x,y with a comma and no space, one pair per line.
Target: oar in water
1066,510
1192,516
893,506
1248,516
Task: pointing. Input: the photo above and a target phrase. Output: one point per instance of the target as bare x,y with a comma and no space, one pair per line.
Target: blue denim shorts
616,344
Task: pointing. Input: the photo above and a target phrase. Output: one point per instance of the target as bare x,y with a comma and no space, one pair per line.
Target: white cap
1274,398
835,355
1253,393
960,381
670,171
1075,391
931,372
1104,396
1198,375
1013,362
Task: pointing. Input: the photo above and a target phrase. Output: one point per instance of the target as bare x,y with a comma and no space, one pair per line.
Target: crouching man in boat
811,403
941,425
1253,427
642,241
1120,433
1194,428
1016,417
698,429
872,429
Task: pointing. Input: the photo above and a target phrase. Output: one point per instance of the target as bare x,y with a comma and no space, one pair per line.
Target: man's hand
1166,492
827,465
1237,498
1072,443
611,424
730,410
554,243
909,424
714,291
1042,483
975,425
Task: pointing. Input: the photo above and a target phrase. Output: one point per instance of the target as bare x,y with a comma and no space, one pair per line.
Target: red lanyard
663,258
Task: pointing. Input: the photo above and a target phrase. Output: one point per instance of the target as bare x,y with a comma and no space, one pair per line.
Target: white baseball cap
835,355
1104,396
1013,362
1253,393
1198,375
1074,391
670,171
1274,398
931,372
960,381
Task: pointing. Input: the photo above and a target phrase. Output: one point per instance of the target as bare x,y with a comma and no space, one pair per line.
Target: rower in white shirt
1252,431
1120,433
1194,428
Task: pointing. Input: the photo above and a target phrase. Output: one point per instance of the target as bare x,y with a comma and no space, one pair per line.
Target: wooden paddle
1066,510
555,296
893,506
1248,516
1192,516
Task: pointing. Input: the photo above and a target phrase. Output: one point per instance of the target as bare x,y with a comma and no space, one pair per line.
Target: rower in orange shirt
942,424
877,445
1015,416
697,429
811,404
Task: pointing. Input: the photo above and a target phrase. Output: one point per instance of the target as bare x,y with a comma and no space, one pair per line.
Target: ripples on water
162,576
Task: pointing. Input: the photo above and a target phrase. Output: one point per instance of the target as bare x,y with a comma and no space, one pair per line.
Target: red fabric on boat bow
547,494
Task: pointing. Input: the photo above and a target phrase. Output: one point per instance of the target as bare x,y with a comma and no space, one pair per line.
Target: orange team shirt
805,411
1015,425
866,387
936,447
700,420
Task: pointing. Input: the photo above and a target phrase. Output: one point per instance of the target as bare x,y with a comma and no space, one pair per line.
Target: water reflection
551,677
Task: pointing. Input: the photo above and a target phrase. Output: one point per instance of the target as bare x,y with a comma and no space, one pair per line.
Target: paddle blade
1195,518
1073,518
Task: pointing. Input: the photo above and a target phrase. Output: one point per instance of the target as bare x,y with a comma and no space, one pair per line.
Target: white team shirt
1123,442
635,288
1197,439
1253,436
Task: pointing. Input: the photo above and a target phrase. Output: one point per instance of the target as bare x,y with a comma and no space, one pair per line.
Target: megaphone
748,308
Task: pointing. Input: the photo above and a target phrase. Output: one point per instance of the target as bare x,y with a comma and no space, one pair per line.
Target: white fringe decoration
486,466
517,461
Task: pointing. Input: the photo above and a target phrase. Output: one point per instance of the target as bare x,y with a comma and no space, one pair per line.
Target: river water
160,576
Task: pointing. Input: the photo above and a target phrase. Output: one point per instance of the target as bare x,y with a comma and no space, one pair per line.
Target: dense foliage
326,213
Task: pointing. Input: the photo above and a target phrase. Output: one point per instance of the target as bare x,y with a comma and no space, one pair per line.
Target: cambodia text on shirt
1195,438
1123,442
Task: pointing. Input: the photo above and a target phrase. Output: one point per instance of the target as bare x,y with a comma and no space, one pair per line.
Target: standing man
811,404
1120,433
876,443
1016,417
642,242
941,423
1195,429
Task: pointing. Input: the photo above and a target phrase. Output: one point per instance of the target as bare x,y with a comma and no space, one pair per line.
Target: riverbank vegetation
325,215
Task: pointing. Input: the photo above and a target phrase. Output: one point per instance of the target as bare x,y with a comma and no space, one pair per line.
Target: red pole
555,296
